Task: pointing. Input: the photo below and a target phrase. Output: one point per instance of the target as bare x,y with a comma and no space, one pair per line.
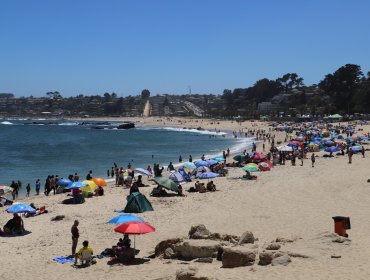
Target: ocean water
29,152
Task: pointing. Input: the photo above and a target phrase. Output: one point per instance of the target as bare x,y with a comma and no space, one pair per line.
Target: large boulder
163,245
232,257
247,237
194,249
199,232
265,258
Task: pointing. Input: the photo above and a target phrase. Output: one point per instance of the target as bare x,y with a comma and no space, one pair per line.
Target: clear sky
91,47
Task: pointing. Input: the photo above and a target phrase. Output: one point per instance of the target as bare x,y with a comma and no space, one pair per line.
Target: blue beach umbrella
75,185
340,136
125,218
219,159
356,148
201,163
207,175
211,162
350,140
64,182
332,149
21,208
328,143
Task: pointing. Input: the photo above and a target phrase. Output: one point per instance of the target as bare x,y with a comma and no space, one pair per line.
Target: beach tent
176,177
137,203
335,117
184,175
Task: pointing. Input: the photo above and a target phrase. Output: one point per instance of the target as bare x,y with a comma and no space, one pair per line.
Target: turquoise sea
30,151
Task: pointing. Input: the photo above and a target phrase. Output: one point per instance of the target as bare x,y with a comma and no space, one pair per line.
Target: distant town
345,92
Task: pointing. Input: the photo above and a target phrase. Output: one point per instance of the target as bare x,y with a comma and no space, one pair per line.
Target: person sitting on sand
99,191
170,167
126,242
85,247
140,181
134,188
14,225
211,186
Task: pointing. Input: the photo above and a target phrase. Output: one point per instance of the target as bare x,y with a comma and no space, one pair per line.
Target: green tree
342,85
145,94
290,81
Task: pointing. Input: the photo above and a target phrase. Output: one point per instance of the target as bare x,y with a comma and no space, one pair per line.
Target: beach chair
85,257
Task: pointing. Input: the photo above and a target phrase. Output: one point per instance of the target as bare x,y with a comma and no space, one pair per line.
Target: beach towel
63,259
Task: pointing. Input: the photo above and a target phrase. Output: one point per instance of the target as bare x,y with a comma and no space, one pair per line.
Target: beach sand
294,202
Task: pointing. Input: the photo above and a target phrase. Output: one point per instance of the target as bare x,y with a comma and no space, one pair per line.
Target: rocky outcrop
199,232
273,246
247,237
190,273
194,249
237,257
265,258
163,245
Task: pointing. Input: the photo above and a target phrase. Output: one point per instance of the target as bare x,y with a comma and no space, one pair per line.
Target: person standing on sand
313,159
28,189
89,175
38,185
363,151
180,158
190,158
350,154
75,235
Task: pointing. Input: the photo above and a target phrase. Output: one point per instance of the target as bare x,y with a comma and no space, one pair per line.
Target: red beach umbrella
134,228
258,156
264,166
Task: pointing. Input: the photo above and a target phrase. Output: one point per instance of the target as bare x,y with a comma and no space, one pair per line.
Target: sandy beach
291,202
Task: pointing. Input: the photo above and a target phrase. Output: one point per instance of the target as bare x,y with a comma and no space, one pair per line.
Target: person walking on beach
38,185
313,159
75,235
363,151
28,189
350,154
13,186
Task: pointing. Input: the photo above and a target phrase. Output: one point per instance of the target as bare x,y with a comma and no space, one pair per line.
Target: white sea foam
6,123
191,130
69,123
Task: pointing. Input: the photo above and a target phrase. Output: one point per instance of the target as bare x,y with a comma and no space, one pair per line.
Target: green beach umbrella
251,168
166,183
189,165
239,158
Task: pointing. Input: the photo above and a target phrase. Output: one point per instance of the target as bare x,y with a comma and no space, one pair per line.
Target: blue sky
92,47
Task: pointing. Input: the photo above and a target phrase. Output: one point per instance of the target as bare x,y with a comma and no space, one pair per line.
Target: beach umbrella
5,190
285,148
219,159
134,228
90,186
207,175
201,163
258,156
64,182
350,140
166,183
239,158
265,165
329,143
332,149
294,144
21,208
76,185
211,162
340,136
189,165
125,218
100,182
176,177
143,172
251,168
356,148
